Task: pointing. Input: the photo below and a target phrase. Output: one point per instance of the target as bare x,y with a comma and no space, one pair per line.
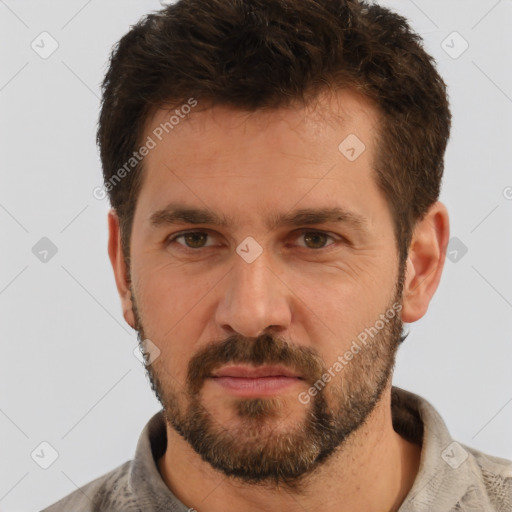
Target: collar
446,475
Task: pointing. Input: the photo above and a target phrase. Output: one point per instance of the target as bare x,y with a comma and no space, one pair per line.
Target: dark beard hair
254,452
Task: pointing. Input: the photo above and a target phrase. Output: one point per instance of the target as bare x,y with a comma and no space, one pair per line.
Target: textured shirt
451,477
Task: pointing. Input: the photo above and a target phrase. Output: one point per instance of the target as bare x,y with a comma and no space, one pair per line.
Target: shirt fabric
452,476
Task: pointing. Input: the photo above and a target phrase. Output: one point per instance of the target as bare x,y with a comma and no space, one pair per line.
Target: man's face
295,294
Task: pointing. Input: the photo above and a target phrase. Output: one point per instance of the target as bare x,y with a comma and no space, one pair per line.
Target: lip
256,387
249,381
251,372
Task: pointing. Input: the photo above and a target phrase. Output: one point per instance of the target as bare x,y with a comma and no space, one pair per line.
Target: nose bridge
254,297
253,277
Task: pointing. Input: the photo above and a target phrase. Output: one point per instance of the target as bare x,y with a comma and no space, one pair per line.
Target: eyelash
173,238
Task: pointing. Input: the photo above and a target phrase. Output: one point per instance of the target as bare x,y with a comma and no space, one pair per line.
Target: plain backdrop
68,375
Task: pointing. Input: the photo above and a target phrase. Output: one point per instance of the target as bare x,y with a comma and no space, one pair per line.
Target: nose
254,299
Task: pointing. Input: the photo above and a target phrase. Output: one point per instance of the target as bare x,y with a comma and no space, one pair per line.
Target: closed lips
255,373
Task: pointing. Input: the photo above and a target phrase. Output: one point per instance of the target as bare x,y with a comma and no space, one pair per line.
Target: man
274,170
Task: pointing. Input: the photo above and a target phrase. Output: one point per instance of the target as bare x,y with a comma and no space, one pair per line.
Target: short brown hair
266,54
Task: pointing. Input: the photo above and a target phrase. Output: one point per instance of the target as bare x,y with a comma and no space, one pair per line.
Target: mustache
263,350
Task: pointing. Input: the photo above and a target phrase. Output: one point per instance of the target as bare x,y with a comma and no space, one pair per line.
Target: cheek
169,305
170,292
334,311
343,294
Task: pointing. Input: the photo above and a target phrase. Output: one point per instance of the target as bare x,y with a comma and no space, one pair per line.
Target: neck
373,470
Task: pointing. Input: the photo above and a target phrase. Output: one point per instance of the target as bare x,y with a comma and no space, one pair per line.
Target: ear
425,262
119,266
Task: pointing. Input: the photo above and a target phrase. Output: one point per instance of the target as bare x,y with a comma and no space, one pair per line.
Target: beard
259,451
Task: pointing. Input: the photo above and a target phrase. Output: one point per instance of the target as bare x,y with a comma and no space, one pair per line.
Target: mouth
261,381
250,372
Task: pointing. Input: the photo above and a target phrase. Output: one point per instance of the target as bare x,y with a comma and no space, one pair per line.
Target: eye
192,239
315,239
195,240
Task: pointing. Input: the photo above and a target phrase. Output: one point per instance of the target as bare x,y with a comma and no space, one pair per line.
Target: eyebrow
181,214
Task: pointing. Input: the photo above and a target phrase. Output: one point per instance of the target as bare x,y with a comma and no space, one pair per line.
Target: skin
244,166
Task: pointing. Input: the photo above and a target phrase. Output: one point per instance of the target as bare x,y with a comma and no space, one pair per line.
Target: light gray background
68,375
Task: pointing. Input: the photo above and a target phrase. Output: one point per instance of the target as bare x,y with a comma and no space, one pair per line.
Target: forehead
328,114
222,156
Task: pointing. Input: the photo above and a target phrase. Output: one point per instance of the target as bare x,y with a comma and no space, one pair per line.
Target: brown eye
192,240
195,240
316,239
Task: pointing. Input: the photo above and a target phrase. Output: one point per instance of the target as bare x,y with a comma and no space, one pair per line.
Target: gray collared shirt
452,477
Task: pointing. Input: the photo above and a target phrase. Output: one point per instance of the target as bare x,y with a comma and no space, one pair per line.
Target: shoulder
492,479
452,476
108,492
